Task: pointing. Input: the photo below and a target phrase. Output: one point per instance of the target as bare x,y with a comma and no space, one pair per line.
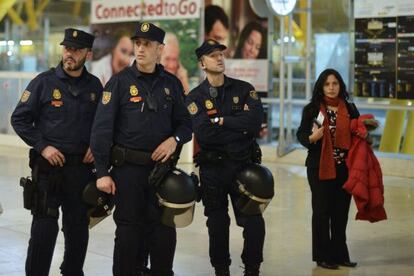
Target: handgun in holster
33,198
28,192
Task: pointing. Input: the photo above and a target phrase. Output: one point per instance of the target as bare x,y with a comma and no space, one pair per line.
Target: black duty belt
70,160
137,157
217,157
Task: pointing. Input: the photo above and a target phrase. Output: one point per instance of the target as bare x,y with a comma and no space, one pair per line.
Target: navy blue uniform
58,110
232,142
139,113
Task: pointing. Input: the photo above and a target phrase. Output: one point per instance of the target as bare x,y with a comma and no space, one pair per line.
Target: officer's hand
164,150
263,131
53,155
106,184
88,158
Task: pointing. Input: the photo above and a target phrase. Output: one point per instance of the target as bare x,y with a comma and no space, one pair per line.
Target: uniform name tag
135,99
212,112
56,103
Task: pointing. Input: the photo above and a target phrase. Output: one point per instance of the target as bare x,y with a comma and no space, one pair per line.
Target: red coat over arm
365,176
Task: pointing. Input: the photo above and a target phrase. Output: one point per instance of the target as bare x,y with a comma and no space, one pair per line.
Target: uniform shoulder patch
192,108
106,97
25,96
253,94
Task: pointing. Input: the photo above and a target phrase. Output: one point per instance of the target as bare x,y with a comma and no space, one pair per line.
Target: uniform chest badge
106,97
209,104
133,90
93,97
192,108
253,95
25,96
56,94
167,91
236,100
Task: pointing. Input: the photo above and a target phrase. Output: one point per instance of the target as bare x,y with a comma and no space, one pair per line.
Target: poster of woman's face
245,35
239,28
252,42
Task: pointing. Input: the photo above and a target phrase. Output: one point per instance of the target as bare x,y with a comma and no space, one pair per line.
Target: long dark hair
317,94
252,26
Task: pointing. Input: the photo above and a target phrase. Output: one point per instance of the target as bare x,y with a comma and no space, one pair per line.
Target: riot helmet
255,185
100,204
177,194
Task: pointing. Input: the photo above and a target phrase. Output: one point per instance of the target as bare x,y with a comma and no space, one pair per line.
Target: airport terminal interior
370,43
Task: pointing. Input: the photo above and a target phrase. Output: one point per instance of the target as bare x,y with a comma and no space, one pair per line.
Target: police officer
54,117
226,116
140,120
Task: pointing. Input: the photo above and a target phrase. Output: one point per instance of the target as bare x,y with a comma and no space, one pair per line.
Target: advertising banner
245,35
104,11
114,22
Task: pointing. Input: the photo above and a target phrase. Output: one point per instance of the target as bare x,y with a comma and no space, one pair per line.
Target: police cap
149,31
209,46
77,39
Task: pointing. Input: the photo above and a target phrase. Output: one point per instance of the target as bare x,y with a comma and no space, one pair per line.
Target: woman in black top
328,142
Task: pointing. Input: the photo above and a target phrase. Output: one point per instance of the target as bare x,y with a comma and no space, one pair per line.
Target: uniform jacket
58,110
125,118
365,176
305,130
240,126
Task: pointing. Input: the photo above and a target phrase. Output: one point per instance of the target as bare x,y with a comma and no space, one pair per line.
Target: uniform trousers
44,229
218,181
137,217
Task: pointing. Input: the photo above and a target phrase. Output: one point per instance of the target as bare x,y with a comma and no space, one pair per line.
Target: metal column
281,144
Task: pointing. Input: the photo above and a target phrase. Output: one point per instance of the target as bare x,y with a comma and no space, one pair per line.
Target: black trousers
330,206
44,230
218,181
137,217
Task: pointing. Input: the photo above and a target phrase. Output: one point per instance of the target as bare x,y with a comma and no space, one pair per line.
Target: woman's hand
317,134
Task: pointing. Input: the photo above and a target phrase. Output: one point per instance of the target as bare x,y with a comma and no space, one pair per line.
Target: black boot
251,270
222,271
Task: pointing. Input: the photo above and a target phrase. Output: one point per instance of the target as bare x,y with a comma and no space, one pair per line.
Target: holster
256,153
196,181
34,198
28,192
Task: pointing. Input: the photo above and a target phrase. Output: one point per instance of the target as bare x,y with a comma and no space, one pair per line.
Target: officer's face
213,62
147,51
74,59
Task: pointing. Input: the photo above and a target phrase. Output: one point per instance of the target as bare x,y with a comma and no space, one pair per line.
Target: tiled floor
384,248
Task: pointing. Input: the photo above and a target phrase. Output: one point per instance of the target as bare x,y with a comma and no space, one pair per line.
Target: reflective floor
384,248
